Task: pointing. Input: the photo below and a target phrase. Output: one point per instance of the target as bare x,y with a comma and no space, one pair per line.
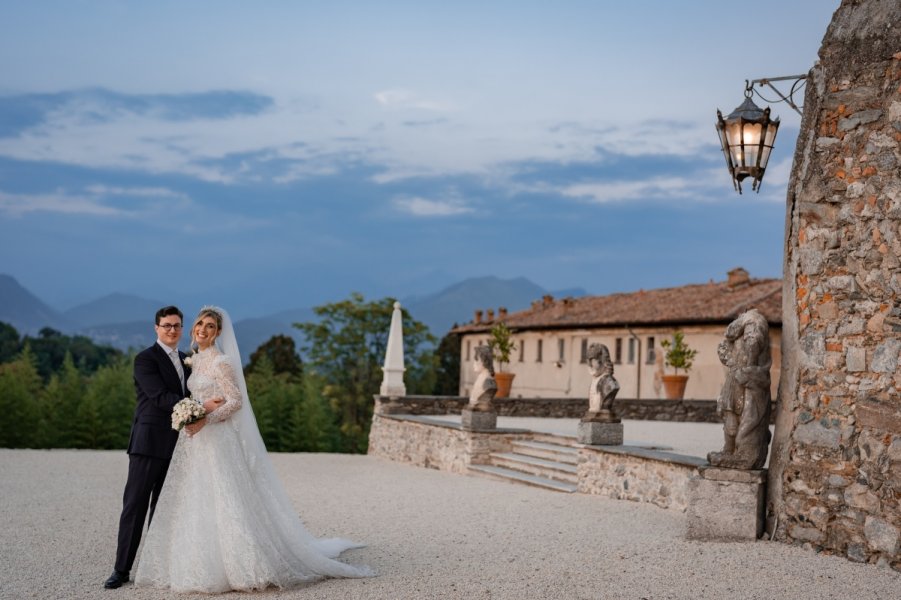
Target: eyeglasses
170,326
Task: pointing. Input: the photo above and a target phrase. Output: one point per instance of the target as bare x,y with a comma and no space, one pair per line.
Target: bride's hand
196,426
212,404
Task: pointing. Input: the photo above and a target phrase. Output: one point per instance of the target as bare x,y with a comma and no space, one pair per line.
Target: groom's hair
168,311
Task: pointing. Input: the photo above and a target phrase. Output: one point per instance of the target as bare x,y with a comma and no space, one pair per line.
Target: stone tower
835,477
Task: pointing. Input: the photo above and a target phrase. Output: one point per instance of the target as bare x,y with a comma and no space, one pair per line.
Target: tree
274,397
678,354
282,355
447,376
51,346
316,427
10,344
346,348
20,388
105,412
59,404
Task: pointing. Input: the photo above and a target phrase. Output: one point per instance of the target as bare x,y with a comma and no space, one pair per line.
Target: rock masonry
835,484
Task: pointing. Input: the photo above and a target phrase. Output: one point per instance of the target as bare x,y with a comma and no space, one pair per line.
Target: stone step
511,476
539,467
552,438
554,452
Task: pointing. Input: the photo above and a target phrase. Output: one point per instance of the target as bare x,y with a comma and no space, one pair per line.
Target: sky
280,154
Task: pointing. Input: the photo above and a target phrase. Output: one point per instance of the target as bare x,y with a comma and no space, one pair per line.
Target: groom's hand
196,426
212,404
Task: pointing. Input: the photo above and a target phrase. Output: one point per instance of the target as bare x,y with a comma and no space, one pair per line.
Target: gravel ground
430,534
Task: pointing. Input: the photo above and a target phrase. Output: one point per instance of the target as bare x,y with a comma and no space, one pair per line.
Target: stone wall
835,478
435,445
622,472
629,473
699,411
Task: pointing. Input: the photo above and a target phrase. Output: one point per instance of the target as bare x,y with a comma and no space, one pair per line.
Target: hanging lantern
747,137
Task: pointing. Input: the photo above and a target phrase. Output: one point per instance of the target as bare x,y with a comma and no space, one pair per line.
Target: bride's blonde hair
206,312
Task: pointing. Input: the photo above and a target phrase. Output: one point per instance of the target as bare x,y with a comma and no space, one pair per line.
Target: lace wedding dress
223,520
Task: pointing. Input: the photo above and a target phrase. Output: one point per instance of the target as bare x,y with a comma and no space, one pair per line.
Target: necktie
176,361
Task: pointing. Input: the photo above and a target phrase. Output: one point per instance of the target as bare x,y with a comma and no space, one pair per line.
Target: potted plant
502,345
678,356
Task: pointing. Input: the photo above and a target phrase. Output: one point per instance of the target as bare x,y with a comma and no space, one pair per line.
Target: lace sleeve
228,384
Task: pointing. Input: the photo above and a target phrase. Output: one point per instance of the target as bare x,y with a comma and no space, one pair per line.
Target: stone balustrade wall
697,411
442,446
622,472
627,473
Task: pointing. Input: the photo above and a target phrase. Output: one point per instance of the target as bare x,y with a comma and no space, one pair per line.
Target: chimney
501,313
478,318
561,307
738,277
547,300
490,316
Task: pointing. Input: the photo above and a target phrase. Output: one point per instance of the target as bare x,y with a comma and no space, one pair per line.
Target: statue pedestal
726,504
595,433
477,420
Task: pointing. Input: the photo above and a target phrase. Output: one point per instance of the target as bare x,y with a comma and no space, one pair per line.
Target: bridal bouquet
185,412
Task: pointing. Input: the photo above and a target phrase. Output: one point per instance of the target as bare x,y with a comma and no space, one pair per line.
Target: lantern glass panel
770,136
751,134
733,138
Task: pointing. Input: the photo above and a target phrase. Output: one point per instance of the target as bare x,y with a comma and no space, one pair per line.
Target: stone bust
485,387
744,400
603,388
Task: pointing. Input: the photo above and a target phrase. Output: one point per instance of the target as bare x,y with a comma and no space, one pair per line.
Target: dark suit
150,446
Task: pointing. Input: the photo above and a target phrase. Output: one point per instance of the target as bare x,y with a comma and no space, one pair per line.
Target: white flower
185,412
189,361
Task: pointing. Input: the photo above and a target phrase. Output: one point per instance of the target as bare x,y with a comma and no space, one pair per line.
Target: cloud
408,99
99,105
17,205
137,192
96,200
423,207
618,191
640,138
425,123
231,137
777,175
183,134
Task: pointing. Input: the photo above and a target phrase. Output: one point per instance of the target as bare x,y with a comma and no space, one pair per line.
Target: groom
160,382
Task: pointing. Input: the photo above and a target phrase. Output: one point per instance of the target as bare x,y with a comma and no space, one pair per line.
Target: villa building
552,337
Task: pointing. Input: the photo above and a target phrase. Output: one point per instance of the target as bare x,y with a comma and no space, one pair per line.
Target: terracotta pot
674,386
504,383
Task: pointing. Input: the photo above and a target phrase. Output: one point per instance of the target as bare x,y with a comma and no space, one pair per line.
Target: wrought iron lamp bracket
797,85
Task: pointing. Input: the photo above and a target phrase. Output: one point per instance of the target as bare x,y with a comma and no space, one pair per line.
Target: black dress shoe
116,580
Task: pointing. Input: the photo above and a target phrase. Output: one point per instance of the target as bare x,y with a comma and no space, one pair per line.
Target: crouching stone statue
744,400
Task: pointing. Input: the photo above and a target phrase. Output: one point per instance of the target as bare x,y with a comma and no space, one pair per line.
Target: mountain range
124,320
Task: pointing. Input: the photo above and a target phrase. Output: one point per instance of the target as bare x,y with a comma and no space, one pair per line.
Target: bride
223,520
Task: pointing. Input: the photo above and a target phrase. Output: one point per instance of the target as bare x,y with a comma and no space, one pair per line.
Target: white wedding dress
223,520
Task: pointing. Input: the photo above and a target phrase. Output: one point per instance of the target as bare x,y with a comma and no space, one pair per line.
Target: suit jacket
158,389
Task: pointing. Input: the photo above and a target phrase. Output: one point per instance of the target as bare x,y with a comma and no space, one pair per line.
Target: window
583,357
631,350
652,351
468,347
618,354
538,355
561,347
522,350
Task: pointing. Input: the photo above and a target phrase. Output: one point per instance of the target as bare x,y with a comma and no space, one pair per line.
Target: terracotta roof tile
714,302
